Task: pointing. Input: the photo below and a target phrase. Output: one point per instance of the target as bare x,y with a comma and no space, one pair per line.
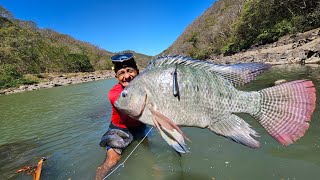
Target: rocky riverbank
62,79
303,48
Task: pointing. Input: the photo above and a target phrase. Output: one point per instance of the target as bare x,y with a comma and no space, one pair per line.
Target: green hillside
27,49
230,26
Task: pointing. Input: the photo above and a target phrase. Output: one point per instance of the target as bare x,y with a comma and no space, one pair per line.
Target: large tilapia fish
178,91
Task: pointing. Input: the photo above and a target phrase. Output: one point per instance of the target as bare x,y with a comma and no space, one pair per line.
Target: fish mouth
116,104
136,116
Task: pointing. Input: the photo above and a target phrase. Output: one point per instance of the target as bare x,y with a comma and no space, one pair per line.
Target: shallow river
64,124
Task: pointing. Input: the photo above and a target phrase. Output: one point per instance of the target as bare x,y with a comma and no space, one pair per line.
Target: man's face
125,75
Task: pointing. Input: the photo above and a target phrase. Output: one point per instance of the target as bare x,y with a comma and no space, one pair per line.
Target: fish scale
208,99
212,95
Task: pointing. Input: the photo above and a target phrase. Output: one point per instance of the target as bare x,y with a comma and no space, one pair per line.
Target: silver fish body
204,97
207,100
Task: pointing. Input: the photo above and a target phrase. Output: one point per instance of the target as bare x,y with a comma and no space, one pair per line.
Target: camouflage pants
119,138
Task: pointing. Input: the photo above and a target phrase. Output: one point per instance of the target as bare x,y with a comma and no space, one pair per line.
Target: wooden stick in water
34,171
37,172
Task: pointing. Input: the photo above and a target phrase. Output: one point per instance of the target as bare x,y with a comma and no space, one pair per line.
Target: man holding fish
180,91
122,128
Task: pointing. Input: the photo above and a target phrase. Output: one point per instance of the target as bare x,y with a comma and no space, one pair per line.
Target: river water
64,124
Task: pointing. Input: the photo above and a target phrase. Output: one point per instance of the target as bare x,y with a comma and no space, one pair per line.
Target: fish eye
124,94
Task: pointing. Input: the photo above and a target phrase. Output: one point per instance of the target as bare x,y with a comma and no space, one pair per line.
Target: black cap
123,60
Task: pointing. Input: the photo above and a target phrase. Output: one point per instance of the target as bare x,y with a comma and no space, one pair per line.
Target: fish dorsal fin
235,128
170,132
238,74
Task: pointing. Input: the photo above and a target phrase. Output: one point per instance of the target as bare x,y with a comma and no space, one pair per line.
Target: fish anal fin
235,128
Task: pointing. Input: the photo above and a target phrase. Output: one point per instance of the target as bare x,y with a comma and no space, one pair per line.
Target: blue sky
144,26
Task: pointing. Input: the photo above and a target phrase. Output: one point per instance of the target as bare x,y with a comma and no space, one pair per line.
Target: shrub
11,77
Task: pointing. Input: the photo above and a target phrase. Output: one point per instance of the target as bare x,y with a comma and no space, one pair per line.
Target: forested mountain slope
231,26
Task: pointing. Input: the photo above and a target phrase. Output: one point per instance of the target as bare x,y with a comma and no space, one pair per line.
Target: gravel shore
61,79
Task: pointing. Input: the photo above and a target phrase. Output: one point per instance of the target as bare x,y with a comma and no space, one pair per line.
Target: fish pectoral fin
235,128
174,139
170,132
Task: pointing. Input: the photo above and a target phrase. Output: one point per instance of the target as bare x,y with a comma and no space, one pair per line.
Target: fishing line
122,164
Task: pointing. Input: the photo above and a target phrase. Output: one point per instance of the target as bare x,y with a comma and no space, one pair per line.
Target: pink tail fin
286,109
